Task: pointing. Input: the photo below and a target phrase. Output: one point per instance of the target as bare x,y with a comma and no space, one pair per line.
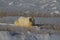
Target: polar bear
24,22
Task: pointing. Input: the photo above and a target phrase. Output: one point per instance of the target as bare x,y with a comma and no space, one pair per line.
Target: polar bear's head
24,22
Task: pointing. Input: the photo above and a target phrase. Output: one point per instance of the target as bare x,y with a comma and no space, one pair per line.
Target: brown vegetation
3,14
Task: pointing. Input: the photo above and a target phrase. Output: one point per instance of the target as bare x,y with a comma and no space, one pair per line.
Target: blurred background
30,7
43,11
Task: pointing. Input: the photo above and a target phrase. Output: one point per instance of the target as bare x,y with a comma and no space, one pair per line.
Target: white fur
23,22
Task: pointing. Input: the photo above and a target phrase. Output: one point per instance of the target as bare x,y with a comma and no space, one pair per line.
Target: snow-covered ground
5,35
33,35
